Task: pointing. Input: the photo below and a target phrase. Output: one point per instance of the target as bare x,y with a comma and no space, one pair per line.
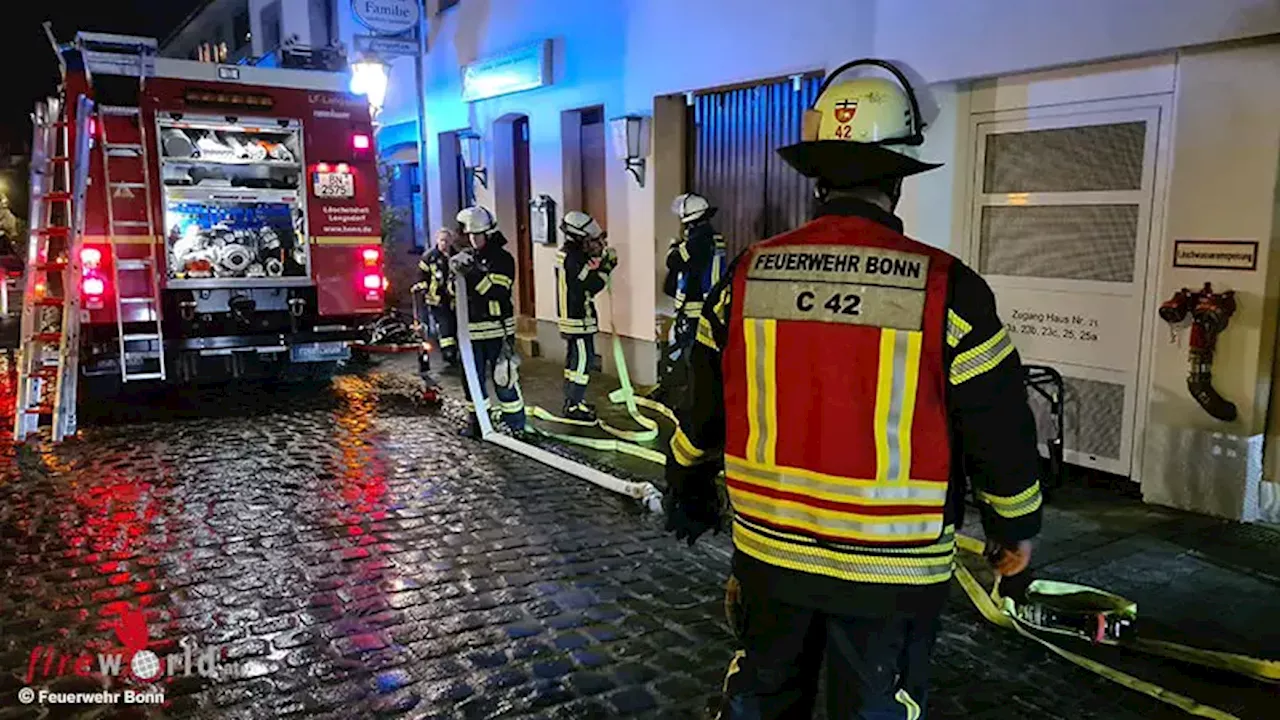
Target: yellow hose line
623,441
986,604
1267,671
987,607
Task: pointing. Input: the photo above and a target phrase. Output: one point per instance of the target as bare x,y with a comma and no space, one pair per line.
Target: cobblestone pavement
350,556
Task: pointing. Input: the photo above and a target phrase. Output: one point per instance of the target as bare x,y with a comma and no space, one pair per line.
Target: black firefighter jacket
490,311
434,279
577,284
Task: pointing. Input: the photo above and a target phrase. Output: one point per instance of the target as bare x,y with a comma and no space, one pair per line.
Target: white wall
951,40
1226,151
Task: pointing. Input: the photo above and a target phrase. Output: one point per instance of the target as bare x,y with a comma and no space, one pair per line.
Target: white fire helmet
691,207
860,130
476,220
580,225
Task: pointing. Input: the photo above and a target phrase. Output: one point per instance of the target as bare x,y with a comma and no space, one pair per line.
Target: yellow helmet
860,130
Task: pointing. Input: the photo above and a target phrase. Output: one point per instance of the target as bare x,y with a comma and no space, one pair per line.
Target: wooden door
524,238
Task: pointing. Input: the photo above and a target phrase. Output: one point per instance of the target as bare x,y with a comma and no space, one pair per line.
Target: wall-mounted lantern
369,78
471,148
631,142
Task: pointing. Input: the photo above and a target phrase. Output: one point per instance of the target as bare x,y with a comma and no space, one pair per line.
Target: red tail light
373,282
360,141
90,257
371,256
94,286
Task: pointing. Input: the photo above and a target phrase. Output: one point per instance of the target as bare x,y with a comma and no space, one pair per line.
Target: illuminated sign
227,99
521,69
386,17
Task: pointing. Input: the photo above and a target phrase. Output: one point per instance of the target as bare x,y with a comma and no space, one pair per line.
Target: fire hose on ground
1101,624
645,492
622,441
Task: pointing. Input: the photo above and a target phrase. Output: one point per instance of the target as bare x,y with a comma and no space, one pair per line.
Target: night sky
30,68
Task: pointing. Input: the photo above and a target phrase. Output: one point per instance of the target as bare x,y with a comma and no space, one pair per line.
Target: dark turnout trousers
877,668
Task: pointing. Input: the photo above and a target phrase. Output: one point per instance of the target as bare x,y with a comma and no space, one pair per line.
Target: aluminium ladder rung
129,185
136,337
136,300
133,263
130,224
38,410
144,376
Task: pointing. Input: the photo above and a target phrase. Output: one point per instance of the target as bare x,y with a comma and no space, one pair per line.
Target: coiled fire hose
623,441
646,493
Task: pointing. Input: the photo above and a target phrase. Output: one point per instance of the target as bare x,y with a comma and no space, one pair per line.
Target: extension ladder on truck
50,328
124,185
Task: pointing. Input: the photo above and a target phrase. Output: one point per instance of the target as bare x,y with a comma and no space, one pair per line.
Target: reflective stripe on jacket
849,381
698,262
490,312
867,466
576,287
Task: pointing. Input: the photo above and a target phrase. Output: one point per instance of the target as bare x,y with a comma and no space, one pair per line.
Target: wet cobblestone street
350,556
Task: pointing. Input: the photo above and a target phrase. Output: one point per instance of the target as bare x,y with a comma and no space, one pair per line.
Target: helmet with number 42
860,130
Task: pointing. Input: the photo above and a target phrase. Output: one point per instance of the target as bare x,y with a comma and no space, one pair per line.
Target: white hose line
646,493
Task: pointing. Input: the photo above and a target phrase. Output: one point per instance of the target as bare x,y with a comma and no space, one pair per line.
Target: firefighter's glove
693,504
733,607
462,263
1008,559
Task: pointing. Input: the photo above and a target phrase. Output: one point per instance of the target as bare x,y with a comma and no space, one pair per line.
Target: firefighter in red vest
851,382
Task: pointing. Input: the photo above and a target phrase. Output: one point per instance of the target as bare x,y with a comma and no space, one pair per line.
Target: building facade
1099,157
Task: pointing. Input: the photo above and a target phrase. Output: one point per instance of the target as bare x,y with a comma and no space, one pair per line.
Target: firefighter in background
851,382
436,286
695,263
490,272
583,266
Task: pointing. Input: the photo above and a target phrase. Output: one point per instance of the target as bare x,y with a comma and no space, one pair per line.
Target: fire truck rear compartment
215,333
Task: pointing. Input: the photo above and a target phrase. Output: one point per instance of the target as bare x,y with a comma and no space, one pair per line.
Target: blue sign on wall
524,68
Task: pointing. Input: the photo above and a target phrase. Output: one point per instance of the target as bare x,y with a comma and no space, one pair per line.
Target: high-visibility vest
837,450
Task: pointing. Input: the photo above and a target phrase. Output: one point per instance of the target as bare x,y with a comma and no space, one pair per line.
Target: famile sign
387,17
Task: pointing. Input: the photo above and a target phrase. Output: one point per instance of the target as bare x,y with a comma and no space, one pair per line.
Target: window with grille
1041,216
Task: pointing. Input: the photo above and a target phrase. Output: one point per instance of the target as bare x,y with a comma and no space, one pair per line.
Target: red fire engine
222,220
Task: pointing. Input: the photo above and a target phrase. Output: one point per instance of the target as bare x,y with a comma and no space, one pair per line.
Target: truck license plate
335,185
319,352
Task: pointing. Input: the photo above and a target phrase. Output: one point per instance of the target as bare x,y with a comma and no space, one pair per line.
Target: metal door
1061,229
732,137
